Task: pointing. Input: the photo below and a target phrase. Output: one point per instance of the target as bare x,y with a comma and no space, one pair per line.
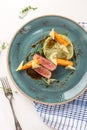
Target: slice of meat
44,62
43,72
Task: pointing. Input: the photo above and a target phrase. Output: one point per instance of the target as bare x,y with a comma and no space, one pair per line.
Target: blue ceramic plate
69,84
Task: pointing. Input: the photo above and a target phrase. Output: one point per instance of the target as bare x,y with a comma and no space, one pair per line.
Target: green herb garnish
3,46
8,91
48,81
24,11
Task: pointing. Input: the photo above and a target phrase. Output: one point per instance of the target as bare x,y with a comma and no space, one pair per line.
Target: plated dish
65,84
48,53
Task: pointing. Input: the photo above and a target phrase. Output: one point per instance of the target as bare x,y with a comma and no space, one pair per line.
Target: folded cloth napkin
69,116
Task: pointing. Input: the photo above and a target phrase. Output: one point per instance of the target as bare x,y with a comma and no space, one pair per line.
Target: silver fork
9,95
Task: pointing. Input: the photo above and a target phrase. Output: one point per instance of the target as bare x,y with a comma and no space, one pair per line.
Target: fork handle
17,124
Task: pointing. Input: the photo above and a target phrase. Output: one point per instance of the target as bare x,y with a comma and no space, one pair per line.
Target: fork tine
5,82
2,81
3,85
6,86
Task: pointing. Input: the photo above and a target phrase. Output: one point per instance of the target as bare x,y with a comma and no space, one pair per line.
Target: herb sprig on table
8,90
3,46
25,10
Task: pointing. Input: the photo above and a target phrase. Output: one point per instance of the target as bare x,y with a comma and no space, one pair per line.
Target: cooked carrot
64,62
60,39
27,65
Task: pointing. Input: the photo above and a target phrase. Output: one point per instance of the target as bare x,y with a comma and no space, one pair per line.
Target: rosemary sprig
24,11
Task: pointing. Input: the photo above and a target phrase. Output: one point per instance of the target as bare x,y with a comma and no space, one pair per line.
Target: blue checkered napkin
69,116
83,24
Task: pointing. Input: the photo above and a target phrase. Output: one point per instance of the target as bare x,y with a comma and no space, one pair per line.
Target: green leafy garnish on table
3,46
9,91
25,10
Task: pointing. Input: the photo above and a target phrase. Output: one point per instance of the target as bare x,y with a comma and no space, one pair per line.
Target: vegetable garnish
59,38
57,50
64,62
25,11
30,64
48,81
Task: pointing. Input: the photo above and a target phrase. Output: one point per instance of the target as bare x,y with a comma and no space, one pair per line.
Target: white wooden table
9,24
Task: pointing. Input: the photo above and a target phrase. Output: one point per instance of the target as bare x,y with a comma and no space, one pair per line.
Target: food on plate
45,62
64,62
40,64
63,41
29,64
52,47
43,72
57,51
